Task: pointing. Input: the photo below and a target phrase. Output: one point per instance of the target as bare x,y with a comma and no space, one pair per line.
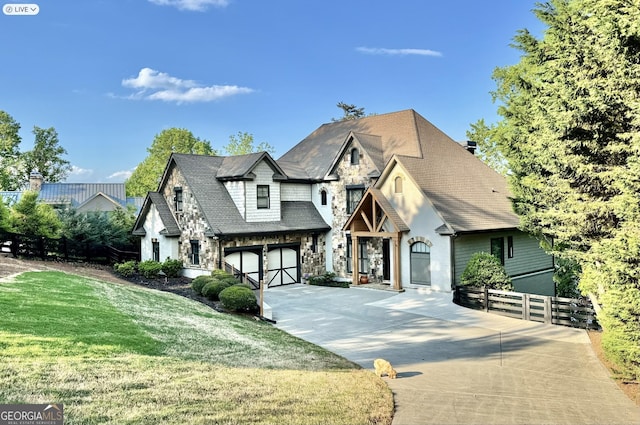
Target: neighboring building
387,195
84,197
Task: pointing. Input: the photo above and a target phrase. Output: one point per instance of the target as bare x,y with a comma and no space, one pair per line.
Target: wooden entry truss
375,217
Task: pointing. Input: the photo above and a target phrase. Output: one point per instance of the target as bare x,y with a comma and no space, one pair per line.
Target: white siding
264,176
295,192
237,191
168,246
418,213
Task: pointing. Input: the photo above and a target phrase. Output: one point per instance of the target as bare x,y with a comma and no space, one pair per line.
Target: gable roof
218,208
384,136
171,227
76,194
467,194
241,166
364,213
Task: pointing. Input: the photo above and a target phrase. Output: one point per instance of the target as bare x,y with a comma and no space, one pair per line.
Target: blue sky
111,74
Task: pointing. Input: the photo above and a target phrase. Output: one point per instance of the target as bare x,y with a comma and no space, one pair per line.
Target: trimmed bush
213,288
199,282
220,274
171,267
149,268
327,279
483,269
239,298
126,269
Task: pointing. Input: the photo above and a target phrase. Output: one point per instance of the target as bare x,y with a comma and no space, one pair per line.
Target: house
84,197
389,196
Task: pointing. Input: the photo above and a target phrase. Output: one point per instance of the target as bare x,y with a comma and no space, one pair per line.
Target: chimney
470,146
35,181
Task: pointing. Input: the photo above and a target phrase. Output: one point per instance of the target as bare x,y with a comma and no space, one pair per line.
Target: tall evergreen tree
570,133
147,174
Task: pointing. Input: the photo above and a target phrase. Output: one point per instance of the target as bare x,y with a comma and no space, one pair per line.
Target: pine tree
570,133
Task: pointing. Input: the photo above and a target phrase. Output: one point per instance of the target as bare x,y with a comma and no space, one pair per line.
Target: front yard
126,355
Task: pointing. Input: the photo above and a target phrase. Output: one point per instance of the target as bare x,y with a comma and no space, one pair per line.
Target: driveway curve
456,365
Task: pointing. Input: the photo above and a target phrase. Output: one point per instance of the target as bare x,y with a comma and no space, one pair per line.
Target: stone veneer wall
311,263
192,223
349,175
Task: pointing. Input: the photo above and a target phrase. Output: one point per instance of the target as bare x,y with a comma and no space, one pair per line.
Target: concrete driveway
456,365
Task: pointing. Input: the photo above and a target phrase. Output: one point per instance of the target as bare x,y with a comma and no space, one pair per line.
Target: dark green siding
528,257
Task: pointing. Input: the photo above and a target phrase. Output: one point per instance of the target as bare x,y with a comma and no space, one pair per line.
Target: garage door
284,265
245,263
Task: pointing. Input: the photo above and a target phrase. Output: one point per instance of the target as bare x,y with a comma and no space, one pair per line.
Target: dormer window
355,156
263,197
177,198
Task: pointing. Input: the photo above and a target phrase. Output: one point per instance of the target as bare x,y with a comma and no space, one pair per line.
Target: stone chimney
35,181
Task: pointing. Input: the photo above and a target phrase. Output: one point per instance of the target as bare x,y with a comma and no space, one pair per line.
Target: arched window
355,156
398,184
420,264
323,197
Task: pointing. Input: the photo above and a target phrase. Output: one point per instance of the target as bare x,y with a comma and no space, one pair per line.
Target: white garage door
283,266
245,262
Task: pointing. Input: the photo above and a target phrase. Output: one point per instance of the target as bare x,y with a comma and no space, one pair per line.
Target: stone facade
349,175
192,224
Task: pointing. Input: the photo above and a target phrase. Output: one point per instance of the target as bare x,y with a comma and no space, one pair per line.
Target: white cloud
77,171
120,175
155,85
193,5
398,52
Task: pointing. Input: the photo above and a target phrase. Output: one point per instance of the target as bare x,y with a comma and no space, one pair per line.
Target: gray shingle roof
171,227
220,211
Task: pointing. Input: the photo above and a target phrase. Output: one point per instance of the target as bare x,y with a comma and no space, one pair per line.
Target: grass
125,355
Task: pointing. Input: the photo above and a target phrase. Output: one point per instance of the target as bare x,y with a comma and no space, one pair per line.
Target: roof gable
240,167
394,133
171,227
76,194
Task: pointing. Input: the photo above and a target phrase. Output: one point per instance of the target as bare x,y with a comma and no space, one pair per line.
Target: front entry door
386,260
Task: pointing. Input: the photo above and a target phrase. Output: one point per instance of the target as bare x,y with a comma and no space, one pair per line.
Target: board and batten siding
530,267
295,192
264,176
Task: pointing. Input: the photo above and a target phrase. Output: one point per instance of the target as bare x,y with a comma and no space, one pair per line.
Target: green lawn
126,355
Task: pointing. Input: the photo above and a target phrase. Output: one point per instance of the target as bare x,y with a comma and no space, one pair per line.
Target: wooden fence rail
578,313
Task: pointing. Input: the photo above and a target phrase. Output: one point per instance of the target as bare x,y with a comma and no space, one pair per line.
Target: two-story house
387,195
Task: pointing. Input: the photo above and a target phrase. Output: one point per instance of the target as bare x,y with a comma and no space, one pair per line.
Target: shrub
483,269
220,274
327,279
239,298
126,269
149,268
199,282
213,288
171,267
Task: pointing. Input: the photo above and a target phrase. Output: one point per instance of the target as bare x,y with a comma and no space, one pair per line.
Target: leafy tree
147,174
483,269
570,132
243,144
46,156
488,149
4,216
9,152
33,218
351,112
